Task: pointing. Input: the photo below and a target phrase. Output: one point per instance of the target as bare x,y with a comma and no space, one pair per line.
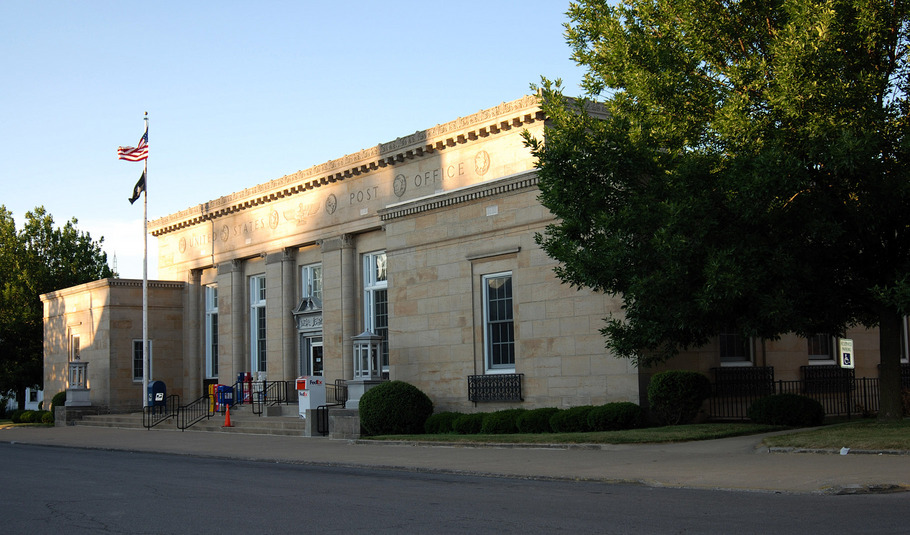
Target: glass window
376,301
311,281
499,324
734,348
137,359
257,324
821,347
75,348
211,331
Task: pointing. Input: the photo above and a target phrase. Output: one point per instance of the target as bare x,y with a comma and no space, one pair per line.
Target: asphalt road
73,491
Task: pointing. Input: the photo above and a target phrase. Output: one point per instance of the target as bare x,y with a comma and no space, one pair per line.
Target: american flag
136,154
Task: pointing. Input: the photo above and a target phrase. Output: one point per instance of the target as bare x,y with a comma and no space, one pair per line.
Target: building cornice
111,283
483,124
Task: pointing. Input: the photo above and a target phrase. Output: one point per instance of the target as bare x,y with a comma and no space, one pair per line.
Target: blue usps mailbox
157,395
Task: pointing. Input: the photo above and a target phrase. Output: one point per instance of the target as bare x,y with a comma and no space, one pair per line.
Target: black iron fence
838,390
195,411
155,414
495,387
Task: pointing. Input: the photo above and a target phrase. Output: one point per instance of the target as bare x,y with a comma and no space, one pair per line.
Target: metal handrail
195,412
155,414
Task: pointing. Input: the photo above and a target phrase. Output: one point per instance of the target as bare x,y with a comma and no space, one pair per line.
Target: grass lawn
675,433
857,435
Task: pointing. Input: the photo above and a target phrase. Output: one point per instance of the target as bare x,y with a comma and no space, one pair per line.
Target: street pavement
739,463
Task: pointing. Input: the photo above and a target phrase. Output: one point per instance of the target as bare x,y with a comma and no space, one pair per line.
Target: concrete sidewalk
734,463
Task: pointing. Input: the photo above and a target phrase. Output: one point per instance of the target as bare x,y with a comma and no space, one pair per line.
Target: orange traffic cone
227,417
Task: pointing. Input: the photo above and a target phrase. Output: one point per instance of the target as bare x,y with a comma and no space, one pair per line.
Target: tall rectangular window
257,323
75,349
211,331
499,324
376,300
311,281
137,359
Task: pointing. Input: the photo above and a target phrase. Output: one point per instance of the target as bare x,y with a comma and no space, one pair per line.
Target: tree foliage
751,174
34,260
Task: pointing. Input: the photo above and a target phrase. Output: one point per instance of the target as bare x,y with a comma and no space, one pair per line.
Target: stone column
289,297
238,307
193,352
339,287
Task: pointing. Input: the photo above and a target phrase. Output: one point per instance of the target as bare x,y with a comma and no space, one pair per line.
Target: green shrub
28,417
468,424
676,396
59,400
16,416
791,410
47,417
440,423
615,416
536,420
501,422
394,408
572,420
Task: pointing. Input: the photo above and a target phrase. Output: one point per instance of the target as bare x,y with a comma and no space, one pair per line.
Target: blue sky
239,93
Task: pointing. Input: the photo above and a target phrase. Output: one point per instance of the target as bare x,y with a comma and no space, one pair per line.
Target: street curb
826,451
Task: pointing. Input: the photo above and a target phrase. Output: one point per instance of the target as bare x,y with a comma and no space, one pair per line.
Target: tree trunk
890,407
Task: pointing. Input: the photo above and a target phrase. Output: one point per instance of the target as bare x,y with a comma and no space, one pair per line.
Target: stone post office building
426,242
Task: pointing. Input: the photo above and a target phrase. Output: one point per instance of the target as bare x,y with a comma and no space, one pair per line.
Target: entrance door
310,361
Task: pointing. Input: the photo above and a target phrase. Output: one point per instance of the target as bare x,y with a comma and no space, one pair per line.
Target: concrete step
242,421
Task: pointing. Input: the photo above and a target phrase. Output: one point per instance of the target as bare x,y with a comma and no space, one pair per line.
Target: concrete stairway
274,422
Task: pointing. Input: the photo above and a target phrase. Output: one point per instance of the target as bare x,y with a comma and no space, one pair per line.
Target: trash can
157,395
310,393
225,396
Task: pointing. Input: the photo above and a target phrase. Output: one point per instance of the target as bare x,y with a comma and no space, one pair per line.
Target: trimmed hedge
676,396
440,423
571,420
468,424
615,416
536,420
502,422
394,408
791,410
47,417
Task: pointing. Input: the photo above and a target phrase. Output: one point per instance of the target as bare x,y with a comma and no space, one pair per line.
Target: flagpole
145,281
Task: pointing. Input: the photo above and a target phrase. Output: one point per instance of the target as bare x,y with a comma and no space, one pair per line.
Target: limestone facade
427,241
100,323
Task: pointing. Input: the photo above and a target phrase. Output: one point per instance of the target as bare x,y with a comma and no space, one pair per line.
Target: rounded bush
16,416
536,420
47,417
468,424
501,422
676,396
440,423
394,408
59,400
791,410
615,416
571,420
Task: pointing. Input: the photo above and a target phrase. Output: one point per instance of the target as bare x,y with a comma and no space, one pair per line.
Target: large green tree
751,173
37,259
